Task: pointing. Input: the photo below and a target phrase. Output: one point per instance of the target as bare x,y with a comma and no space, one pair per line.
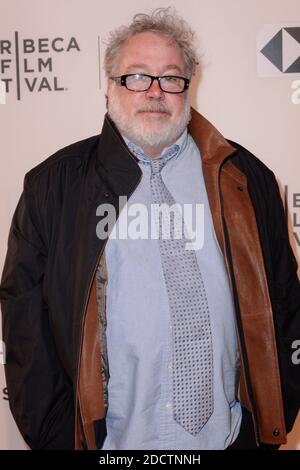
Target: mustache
157,107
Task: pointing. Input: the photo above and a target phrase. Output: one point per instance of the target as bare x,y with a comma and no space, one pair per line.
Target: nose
155,91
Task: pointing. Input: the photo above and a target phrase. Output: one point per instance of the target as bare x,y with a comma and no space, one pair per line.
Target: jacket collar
115,162
213,147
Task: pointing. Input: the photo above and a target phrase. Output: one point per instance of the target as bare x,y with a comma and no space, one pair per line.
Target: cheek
177,105
131,102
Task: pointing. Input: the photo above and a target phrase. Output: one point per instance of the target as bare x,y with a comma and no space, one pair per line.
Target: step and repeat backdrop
52,93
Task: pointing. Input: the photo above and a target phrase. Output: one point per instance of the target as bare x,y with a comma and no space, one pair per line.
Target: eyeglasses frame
121,80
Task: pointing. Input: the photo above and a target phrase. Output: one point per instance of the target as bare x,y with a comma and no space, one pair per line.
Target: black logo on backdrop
5,393
293,201
28,65
283,50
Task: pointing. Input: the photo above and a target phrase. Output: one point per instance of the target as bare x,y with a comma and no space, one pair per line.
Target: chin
153,129
154,118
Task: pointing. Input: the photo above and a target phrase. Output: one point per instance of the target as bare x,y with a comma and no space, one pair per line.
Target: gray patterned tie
192,342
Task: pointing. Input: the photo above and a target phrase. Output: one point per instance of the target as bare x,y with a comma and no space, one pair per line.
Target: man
118,340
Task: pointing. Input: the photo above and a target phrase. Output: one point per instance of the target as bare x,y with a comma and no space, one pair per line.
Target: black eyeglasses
142,82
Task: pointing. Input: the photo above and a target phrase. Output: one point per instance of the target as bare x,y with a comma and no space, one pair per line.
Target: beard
145,130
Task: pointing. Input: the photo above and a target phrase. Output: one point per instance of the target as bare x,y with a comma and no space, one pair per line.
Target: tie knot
157,165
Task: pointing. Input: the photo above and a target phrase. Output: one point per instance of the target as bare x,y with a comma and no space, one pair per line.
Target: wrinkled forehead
148,52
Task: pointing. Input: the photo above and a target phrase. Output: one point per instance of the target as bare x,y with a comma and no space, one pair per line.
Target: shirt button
169,405
170,367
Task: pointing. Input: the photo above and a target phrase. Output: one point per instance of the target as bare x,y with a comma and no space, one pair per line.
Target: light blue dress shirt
139,332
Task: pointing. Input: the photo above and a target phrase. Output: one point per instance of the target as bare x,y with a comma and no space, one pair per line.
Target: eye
171,79
138,77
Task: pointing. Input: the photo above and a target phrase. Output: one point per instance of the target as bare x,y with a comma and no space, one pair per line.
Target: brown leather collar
213,147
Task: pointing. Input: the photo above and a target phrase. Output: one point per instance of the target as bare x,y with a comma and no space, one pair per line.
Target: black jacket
51,260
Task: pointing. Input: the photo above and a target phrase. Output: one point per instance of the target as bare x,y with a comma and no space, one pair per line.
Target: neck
154,152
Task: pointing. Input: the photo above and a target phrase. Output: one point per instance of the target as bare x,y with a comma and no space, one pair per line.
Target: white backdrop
52,93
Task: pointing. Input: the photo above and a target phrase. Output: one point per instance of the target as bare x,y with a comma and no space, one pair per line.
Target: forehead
150,50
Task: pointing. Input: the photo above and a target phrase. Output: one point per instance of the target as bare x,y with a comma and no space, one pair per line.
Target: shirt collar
168,152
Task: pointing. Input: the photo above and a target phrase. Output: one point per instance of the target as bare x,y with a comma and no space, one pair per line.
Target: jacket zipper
77,401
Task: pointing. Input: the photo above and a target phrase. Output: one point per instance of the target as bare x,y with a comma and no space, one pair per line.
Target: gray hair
164,21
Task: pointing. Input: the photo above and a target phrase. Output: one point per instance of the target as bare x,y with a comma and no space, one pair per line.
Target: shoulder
71,157
255,170
262,183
